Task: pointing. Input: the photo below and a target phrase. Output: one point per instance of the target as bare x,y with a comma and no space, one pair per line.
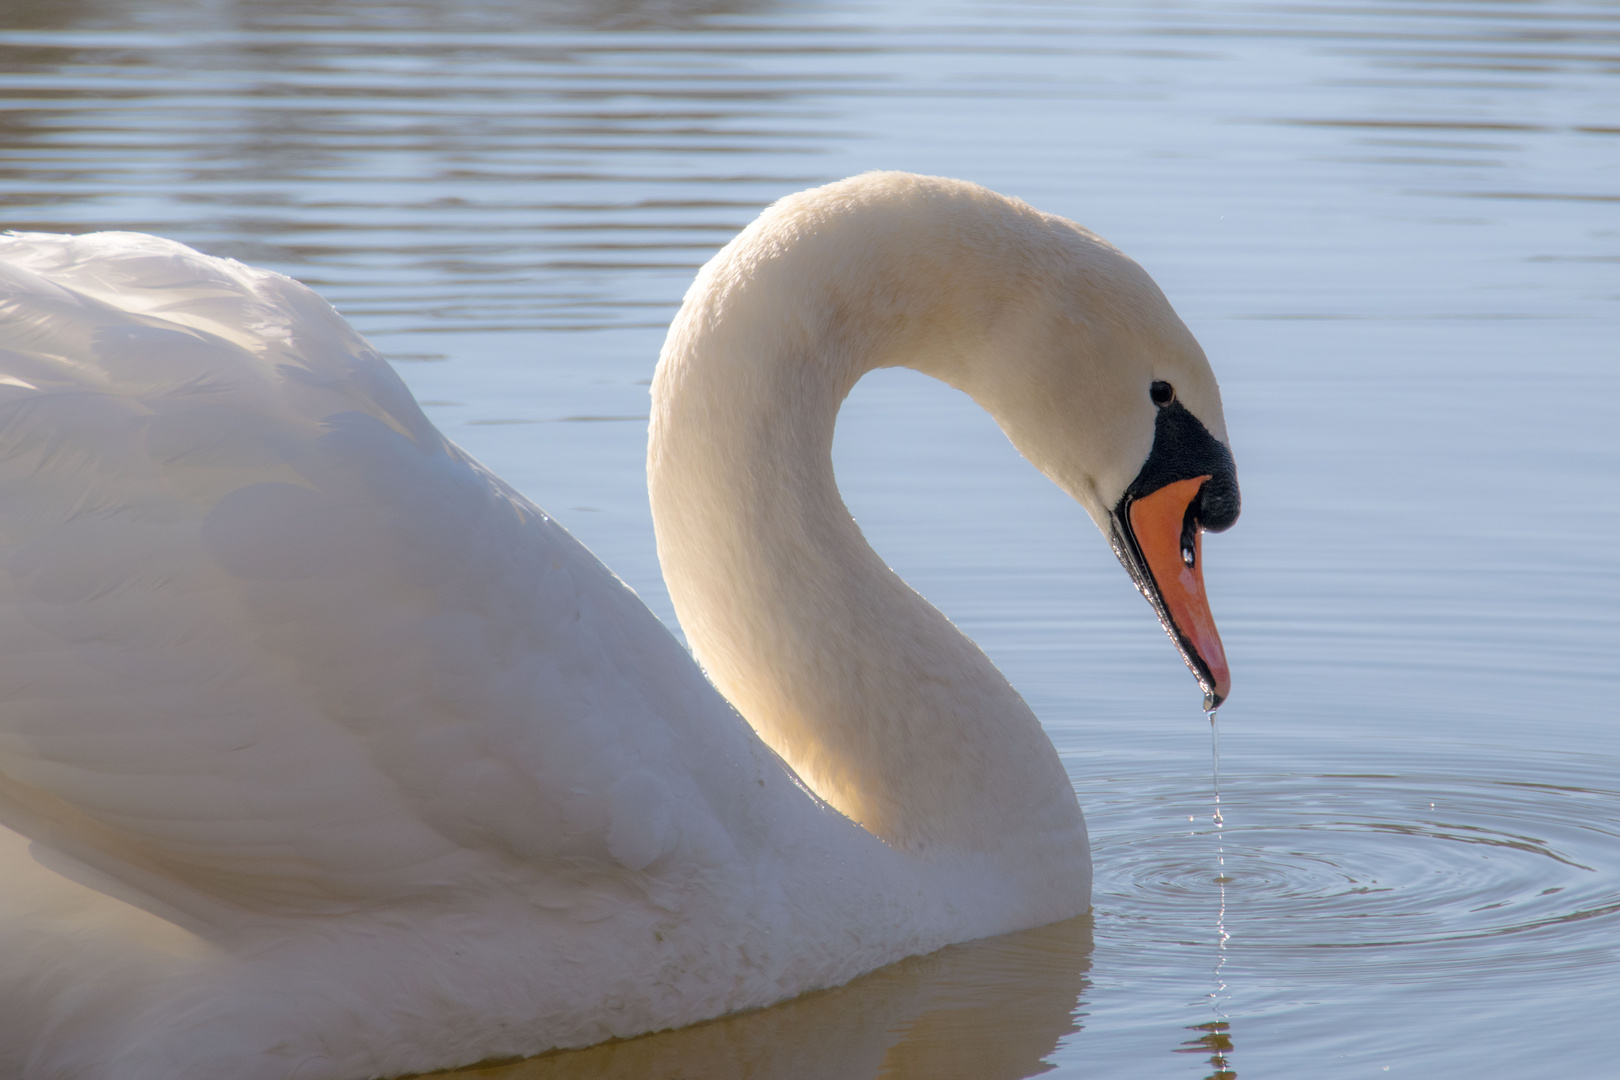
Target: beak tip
1215,678
1218,687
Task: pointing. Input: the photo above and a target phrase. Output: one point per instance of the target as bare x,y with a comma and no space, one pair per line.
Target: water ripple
1343,869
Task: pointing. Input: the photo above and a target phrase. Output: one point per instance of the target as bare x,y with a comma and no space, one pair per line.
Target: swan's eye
1162,393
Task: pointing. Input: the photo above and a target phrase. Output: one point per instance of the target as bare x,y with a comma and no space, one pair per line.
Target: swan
326,754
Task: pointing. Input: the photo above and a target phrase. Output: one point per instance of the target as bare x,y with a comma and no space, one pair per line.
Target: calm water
1396,228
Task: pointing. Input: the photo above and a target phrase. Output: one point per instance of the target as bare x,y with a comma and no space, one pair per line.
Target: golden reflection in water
986,1010
1215,1039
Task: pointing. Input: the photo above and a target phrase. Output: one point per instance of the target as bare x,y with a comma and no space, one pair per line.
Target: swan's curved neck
884,708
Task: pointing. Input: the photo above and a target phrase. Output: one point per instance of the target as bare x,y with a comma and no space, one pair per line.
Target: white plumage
326,754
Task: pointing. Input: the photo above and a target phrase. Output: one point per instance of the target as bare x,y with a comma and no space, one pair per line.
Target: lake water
1394,225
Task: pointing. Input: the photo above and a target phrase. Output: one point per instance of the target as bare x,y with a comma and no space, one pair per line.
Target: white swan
326,754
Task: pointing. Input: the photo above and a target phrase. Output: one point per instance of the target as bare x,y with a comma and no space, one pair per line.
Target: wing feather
266,634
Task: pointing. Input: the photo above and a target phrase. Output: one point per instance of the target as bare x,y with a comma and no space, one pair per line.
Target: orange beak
1170,542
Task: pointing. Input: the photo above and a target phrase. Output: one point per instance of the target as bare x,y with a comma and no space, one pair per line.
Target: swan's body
326,754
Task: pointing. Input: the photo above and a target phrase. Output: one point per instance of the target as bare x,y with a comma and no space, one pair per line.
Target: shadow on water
986,1010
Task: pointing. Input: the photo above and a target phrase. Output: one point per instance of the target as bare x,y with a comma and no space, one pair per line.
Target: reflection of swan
992,1009
326,754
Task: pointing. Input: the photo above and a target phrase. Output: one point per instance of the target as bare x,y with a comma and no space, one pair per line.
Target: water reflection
248,15
1215,1039
566,164
986,1010
478,166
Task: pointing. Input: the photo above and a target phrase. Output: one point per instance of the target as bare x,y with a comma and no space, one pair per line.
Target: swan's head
1187,486
1056,333
1087,368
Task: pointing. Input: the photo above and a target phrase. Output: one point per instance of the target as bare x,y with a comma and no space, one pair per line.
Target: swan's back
266,633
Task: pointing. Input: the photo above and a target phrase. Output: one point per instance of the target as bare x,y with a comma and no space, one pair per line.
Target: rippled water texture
1394,225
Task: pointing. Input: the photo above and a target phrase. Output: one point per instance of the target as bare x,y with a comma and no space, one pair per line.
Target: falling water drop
1220,995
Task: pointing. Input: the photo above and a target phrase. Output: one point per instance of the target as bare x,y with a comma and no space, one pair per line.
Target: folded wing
268,640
